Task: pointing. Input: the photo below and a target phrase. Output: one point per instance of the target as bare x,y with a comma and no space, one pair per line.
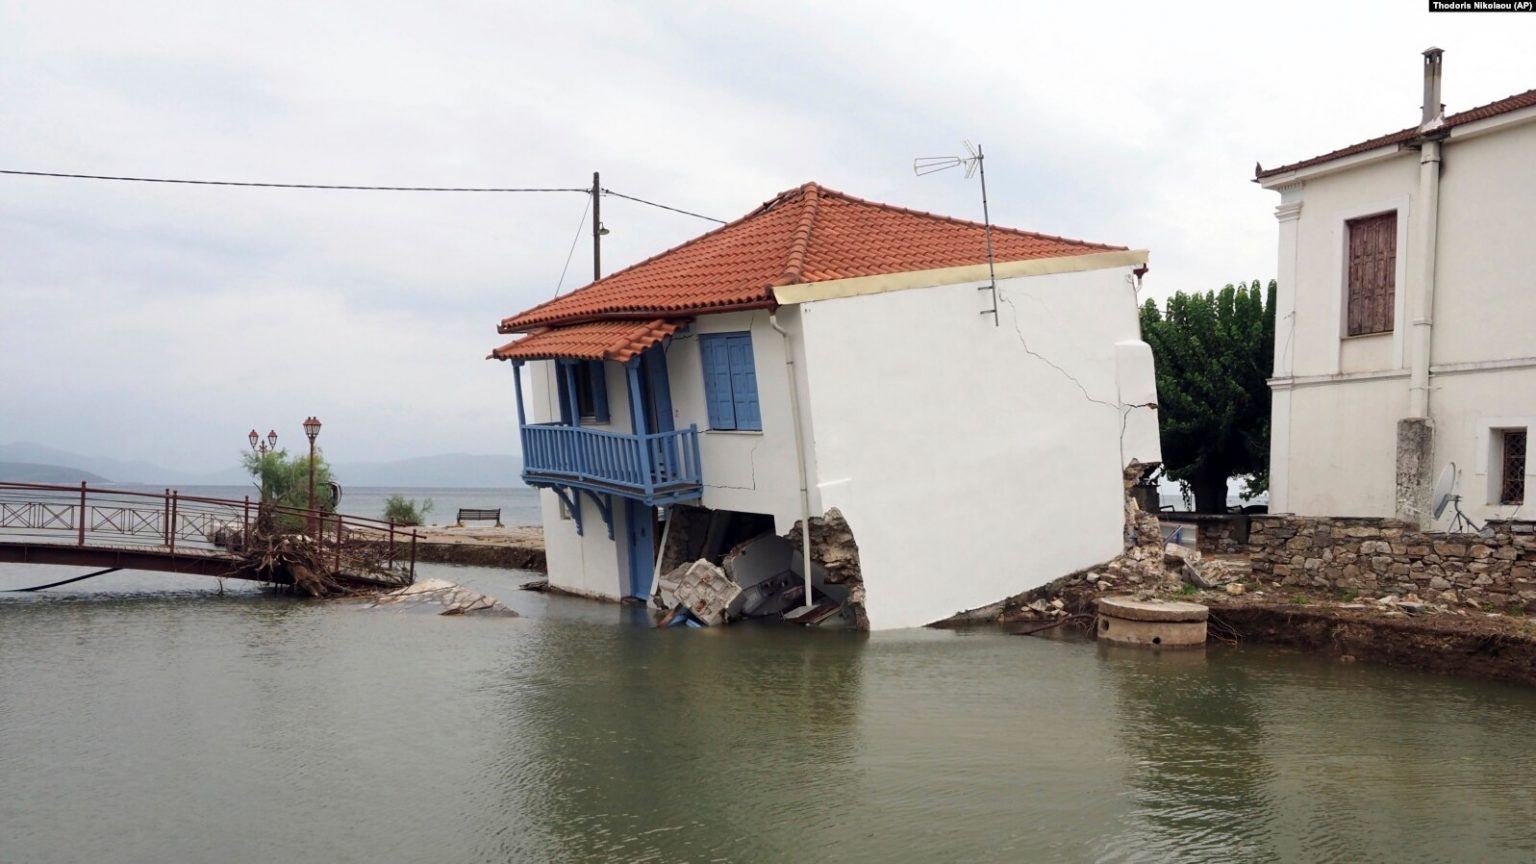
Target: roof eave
640,315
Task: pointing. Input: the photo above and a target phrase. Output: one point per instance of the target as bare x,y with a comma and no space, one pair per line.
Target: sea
519,505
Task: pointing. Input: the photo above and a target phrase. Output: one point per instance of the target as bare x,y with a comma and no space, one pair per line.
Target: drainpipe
794,413
666,528
1428,231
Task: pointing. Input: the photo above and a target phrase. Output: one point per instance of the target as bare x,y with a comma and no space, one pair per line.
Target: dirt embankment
517,547
1480,645
1407,633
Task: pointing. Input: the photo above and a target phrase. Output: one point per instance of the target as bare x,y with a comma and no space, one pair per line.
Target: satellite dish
1443,487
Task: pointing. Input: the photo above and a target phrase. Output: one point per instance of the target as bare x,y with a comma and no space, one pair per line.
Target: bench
472,514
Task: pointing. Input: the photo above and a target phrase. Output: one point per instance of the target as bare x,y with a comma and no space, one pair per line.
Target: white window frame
1340,307
1490,456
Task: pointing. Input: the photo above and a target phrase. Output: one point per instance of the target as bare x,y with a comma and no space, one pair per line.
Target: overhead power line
662,206
302,185
354,188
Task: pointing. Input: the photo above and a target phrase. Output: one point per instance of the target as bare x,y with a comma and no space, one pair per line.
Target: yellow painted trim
886,282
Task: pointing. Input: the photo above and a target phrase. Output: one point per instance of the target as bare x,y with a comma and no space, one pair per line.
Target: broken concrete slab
441,597
706,592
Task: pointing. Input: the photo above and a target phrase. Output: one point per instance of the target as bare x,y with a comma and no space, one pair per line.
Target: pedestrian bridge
91,526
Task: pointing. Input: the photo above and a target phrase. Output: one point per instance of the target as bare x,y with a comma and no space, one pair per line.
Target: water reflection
248,729
1200,781
632,744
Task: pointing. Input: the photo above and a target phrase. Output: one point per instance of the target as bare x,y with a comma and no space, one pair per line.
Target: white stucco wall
588,563
751,472
973,461
1337,400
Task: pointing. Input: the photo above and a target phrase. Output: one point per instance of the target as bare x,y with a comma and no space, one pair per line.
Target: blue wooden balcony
656,468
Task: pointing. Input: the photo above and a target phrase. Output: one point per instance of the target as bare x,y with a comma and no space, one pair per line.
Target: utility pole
597,229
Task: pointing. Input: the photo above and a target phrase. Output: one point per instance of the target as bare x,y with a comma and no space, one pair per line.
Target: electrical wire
356,188
310,185
663,206
574,240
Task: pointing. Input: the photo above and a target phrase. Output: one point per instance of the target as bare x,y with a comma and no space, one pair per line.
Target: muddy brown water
149,719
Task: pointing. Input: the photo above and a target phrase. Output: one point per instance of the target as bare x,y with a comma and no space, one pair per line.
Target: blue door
638,533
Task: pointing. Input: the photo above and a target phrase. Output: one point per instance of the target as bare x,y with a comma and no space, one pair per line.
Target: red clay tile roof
597,340
807,234
1481,112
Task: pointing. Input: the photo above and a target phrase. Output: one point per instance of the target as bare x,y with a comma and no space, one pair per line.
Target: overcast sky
163,322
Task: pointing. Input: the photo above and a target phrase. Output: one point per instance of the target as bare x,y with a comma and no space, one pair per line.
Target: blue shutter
599,379
653,364
744,382
717,382
562,370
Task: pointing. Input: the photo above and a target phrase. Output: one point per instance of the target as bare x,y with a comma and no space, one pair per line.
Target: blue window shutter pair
730,381
595,380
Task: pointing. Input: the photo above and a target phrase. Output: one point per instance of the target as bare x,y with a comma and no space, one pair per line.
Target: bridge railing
174,523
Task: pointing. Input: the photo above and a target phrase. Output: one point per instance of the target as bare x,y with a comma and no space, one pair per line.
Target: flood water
148,719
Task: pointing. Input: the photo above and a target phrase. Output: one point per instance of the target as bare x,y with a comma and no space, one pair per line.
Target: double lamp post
312,430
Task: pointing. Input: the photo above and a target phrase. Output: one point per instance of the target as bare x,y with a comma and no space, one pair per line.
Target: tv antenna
974,164
1444,496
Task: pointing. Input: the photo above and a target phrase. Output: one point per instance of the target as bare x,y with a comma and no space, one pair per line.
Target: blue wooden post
637,413
517,378
569,374
522,419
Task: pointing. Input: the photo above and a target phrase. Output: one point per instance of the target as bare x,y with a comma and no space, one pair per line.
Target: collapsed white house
826,352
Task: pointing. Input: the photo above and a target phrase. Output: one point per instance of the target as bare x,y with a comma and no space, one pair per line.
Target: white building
973,453
1406,316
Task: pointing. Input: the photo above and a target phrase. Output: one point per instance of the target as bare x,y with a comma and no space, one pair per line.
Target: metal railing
176,524
643,464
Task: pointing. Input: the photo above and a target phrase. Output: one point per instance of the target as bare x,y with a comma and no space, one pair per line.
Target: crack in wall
1124,409
752,461
1047,361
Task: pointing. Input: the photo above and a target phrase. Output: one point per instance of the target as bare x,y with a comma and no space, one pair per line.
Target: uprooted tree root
297,562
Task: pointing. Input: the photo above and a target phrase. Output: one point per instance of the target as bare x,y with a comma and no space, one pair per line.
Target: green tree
1213,353
284,481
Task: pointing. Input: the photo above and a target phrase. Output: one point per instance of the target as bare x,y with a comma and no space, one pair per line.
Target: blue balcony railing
658,468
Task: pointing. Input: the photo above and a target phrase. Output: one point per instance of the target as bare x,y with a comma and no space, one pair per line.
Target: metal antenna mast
974,163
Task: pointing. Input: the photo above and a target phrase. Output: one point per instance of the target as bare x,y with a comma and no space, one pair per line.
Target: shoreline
514,547
1490,646
1463,642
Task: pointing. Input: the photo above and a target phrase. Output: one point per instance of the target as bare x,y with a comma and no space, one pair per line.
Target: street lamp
259,446
312,429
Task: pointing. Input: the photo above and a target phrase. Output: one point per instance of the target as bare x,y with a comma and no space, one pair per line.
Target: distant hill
119,470
32,472
446,470
450,469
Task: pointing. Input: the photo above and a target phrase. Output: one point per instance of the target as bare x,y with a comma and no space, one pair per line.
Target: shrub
404,511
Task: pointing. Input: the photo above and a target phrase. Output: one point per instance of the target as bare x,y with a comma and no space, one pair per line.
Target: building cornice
886,282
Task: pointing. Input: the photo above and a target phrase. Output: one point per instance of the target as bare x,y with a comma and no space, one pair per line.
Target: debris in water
443,598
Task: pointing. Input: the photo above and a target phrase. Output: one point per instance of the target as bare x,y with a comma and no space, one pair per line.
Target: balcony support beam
604,506
572,501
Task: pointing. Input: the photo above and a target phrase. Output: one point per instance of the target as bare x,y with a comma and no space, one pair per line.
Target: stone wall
1215,533
1377,557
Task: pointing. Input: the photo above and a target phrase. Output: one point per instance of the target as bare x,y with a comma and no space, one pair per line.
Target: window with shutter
730,381
1372,274
1512,481
588,379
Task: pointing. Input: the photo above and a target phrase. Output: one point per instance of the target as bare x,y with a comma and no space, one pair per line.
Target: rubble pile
1146,568
763,578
